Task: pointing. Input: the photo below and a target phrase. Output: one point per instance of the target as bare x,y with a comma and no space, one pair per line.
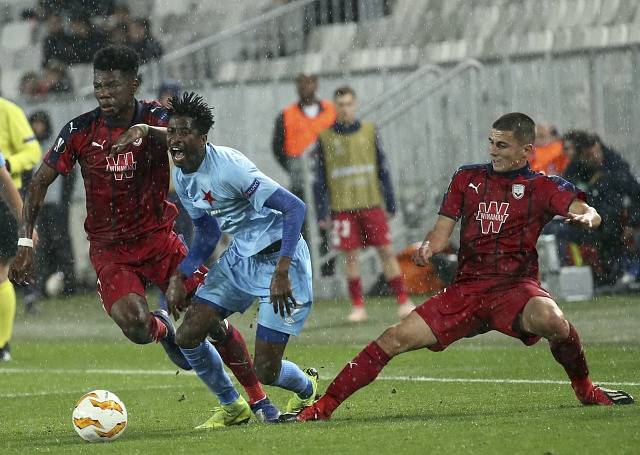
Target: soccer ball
99,416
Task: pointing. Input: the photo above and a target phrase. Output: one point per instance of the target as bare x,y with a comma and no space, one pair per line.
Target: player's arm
25,146
293,211
138,132
277,142
385,179
320,189
10,194
21,270
582,214
435,241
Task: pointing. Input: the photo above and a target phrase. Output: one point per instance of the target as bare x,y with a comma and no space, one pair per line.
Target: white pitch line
69,392
324,375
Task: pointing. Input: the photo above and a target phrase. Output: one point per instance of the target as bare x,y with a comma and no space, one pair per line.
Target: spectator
56,44
297,127
609,183
55,79
53,225
140,39
21,152
548,153
31,86
353,185
85,39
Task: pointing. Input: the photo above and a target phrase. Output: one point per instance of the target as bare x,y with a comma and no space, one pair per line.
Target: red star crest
208,197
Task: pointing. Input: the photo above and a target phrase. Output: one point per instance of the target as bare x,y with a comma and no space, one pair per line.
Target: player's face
186,144
507,154
346,108
114,91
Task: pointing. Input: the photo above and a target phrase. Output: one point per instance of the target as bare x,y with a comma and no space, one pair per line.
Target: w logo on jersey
123,165
491,220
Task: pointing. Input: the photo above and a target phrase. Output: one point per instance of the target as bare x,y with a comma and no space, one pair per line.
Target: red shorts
464,310
359,228
126,268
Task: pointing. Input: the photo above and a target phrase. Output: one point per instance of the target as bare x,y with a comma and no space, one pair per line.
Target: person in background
353,185
21,152
548,154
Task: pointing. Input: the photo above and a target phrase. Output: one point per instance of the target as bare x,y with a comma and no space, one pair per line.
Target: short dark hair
522,126
193,105
344,90
111,58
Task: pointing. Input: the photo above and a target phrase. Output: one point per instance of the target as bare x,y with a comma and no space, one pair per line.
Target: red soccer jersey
125,193
502,215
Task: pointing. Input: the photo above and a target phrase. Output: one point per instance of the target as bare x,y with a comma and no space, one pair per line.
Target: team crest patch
252,188
517,190
137,142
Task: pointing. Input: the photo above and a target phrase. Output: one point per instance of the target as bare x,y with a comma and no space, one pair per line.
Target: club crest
517,190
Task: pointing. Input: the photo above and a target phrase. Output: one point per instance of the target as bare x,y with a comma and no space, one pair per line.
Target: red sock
362,370
570,355
235,355
355,291
157,328
397,285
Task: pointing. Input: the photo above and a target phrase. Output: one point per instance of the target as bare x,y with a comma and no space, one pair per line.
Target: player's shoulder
557,181
9,106
79,124
153,113
471,169
226,154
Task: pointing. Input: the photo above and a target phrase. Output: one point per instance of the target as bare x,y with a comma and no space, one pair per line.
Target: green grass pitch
486,395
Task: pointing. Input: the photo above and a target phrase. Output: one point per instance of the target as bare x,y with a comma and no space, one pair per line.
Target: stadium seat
332,38
446,51
16,36
618,35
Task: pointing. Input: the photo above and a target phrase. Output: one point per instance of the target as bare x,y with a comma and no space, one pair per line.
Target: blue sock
162,302
207,364
293,378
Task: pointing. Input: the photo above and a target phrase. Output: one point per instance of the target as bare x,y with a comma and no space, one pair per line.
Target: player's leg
393,276
411,333
7,311
131,313
541,316
354,285
200,320
273,370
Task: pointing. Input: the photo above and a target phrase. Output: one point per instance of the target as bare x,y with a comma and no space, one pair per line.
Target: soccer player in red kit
129,222
502,207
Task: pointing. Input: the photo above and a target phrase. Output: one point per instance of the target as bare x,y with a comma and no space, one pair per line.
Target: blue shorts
234,283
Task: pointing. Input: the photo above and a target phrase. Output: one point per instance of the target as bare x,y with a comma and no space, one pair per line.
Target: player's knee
557,326
392,341
185,338
549,321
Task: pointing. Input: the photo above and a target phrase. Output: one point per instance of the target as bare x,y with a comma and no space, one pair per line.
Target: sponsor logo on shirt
252,188
492,218
122,166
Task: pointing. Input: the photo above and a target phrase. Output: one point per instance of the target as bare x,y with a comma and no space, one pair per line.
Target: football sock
570,355
362,370
355,291
294,379
162,303
7,311
235,355
157,328
207,363
397,286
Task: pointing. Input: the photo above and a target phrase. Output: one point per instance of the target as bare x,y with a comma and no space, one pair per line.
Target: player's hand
21,270
133,134
176,295
585,220
422,255
281,293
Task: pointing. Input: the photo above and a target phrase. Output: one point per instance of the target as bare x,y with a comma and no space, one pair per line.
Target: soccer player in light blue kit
268,260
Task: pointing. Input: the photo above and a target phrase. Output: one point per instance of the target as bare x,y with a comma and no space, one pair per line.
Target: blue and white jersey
228,186
2,161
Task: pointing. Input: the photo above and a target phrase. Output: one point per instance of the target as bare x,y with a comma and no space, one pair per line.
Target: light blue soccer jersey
228,186
2,161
